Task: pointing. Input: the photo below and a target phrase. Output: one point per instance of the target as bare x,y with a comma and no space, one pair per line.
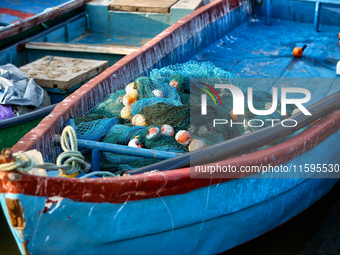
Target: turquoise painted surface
101,27
6,19
177,224
301,11
297,236
13,231
132,25
153,226
64,33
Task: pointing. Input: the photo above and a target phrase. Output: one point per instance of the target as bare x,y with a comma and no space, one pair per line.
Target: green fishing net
170,96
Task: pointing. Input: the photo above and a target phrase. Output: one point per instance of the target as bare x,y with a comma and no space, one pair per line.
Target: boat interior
102,30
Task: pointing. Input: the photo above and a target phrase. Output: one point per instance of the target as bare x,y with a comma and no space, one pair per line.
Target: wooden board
78,47
63,73
153,6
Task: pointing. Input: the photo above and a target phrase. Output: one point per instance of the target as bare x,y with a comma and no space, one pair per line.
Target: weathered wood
63,73
112,49
154,6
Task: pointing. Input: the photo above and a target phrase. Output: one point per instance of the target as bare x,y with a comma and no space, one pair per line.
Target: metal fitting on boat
14,177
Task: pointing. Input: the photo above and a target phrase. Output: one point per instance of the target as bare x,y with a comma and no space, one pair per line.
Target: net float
192,129
235,117
196,144
139,120
183,137
202,130
133,93
153,133
297,52
128,100
134,143
157,93
268,106
174,83
125,113
295,111
129,87
247,131
167,130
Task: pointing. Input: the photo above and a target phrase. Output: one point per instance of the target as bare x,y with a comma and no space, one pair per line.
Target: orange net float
297,52
236,118
183,137
153,133
167,130
134,143
128,100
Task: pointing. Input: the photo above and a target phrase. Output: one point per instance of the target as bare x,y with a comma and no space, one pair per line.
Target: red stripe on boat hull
23,25
174,182
16,13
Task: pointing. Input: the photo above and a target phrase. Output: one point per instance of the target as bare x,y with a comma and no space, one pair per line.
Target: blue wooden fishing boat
169,210
78,29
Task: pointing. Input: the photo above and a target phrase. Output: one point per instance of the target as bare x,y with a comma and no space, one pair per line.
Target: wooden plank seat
149,6
78,47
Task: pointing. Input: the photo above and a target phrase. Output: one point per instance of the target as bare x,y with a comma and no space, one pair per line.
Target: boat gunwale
165,183
16,120
39,18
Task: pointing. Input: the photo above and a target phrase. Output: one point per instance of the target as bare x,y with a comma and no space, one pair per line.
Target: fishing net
157,112
93,130
111,106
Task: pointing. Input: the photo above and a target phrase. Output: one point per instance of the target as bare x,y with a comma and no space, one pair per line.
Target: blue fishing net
93,130
170,96
141,104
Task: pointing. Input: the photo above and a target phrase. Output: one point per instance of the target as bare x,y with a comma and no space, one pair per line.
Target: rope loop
71,156
70,162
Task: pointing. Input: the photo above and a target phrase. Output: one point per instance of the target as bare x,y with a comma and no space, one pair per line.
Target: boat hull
200,222
170,211
11,135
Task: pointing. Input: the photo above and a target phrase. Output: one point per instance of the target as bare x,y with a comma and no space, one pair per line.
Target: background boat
97,30
169,211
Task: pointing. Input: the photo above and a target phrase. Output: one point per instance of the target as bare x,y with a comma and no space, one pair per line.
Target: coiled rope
70,162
